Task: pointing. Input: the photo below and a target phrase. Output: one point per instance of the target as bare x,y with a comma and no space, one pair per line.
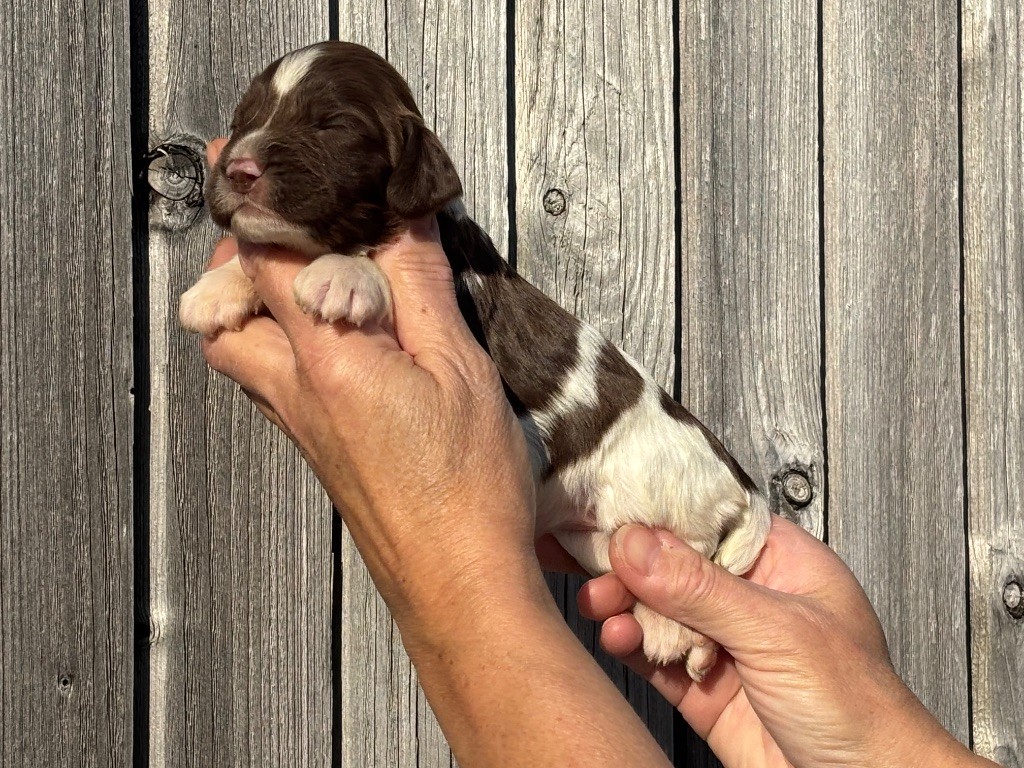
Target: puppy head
328,153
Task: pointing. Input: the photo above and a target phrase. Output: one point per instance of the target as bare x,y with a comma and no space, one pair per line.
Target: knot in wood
175,173
554,202
796,487
1013,599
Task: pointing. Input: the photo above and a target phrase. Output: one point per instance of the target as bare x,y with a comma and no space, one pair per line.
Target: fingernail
640,548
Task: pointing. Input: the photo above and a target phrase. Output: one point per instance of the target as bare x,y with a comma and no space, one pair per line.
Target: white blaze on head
292,69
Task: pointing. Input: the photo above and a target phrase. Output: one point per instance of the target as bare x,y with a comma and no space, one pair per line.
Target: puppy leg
743,540
349,288
223,298
665,640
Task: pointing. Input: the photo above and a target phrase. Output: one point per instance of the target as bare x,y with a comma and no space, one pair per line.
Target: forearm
511,686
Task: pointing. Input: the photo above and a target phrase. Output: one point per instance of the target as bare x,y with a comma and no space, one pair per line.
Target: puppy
329,155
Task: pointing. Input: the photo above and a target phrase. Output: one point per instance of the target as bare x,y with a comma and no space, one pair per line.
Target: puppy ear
423,179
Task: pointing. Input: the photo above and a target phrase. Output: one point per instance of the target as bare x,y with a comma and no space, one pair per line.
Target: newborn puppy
329,155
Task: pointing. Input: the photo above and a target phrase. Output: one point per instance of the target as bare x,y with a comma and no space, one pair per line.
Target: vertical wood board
892,296
595,211
751,346
240,564
993,134
66,376
750,337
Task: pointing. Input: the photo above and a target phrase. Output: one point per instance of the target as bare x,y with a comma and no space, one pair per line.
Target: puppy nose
242,172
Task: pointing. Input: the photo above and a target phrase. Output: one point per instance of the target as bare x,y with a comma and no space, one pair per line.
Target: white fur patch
292,69
579,390
265,227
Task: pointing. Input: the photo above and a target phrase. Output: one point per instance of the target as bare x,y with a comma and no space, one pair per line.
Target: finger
427,315
553,557
701,704
606,596
223,252
213,150
676,581
258,357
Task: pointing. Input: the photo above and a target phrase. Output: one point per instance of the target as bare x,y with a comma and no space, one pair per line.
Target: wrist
923,741
470,600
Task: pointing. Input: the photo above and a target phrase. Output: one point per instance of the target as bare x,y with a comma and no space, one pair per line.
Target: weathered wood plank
993,146
751,342
240,533
595,211
66,406
892,295
455,62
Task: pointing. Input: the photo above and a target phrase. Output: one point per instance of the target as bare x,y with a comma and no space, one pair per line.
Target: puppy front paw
223,298
349,288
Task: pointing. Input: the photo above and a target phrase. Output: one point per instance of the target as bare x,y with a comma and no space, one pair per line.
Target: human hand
807,680
384,419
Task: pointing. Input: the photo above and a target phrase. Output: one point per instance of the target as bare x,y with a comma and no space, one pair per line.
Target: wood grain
454,59
66,531
892,296
595,211
993,145
751,342
239,530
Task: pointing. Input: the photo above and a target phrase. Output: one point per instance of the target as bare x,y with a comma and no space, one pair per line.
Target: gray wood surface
892,303
239,530
751,341
595,211
66,543
455,62
993,114
750,337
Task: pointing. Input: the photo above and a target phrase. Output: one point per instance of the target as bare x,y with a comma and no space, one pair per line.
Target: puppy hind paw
222,299
348,288
666,641
743,540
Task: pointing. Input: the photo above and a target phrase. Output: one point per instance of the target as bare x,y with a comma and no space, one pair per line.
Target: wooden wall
805,217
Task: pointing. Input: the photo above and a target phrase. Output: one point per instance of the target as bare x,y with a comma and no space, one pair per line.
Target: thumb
426,312
675,580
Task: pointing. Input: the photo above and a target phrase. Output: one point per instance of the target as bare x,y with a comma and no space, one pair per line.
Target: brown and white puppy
329,155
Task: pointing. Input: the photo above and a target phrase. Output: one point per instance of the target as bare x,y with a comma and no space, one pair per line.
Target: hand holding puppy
383,420
808,680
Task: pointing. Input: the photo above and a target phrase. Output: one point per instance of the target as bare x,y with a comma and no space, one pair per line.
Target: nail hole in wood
1013,598
65,684
554,202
